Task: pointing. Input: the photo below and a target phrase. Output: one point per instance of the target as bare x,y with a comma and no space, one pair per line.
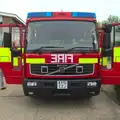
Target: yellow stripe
5,52
35,60
18,48
4,59
15,61
100,50
88,60
5,55
22,61
22,50
117,59
104,61
116,54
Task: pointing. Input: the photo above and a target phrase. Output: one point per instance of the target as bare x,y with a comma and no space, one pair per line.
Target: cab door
110,66
10,64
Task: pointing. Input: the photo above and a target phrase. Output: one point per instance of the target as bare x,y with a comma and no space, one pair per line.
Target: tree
99,24
112,19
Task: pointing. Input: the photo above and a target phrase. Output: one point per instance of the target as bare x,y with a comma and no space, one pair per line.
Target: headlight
31,83
92,84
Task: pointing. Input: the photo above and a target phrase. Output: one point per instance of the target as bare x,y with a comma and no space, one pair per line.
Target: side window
112,37
2,30
1,36
16,37
117,35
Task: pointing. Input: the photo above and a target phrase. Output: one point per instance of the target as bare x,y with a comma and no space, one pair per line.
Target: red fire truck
10,67
62,55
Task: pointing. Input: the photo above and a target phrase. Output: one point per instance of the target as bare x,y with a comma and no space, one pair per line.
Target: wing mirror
107,36
7,42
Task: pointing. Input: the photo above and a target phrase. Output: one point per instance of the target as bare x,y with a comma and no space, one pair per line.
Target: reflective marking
104,62
100,50
88,60
22,50
5,55
15,61
35,60
116,54
4,59
117,59
22,61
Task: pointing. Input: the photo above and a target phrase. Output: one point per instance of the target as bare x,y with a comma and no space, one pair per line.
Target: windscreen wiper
83,49
40,50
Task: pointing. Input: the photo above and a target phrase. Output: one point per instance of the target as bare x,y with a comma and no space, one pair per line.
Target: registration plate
62,84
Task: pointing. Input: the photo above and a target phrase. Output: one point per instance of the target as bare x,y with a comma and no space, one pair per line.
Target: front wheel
26,93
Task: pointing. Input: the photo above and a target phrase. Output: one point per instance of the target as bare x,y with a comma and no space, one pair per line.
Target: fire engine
62,55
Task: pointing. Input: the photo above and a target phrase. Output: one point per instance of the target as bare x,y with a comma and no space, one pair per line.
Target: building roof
13,16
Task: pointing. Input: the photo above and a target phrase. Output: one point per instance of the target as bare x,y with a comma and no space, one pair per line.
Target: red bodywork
12,75
76,55
110,76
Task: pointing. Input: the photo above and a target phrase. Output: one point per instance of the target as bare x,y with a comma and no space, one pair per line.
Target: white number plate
62,84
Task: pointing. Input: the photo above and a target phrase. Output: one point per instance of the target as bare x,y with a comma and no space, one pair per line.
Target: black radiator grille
53,69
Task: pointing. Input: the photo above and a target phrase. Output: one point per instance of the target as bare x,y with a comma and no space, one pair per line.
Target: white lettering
70,57
53,58
61,58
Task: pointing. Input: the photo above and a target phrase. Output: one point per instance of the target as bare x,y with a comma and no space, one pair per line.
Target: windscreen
61,33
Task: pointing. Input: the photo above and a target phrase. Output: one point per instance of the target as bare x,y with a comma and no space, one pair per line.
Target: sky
102,8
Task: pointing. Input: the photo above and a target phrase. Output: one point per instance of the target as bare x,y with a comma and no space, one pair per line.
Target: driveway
15,106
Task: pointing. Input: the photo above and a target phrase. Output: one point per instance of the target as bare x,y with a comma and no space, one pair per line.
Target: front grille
53,69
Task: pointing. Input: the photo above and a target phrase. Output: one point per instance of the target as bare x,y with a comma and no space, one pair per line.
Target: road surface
15,106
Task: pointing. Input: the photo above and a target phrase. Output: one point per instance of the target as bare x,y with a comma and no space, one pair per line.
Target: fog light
44,69
79,69
92,84
31,83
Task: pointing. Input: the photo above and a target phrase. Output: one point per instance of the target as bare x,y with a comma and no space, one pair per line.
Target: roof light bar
84,14
39,14
61,14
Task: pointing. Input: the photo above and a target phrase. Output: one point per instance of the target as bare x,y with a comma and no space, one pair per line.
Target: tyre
26,93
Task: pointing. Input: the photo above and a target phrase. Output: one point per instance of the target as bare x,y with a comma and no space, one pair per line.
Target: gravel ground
15,106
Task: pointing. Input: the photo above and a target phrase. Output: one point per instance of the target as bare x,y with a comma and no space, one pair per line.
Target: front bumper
50,87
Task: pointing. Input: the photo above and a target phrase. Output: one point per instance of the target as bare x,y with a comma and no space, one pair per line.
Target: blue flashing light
39,14
84,14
